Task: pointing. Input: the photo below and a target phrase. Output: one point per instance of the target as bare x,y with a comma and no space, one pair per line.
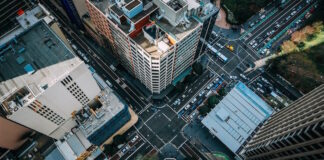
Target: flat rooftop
111,105
34,58
117,15
236,116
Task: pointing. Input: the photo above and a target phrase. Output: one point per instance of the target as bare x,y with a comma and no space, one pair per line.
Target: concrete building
9,10
295,132
234,120
156,41
42,81
102,117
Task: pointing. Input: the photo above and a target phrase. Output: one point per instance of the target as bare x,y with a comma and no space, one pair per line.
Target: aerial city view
161,80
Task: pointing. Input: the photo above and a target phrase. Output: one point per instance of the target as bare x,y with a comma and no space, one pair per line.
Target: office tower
156,41
9,10
42,81
295,132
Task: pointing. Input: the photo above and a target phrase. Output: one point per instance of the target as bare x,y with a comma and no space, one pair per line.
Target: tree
288,46
203,110
119,139
197,67
301,45
109,149
311,37
212,100
221,92
180,87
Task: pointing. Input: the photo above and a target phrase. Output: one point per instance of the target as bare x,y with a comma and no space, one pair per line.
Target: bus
218,54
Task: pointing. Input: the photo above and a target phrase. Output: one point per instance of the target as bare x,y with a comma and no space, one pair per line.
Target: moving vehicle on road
230,47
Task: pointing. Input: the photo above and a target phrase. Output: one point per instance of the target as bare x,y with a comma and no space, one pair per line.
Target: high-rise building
295,132
42,81
10,9
156,41
72,12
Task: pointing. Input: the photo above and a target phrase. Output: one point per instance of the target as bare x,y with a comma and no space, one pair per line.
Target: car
194,100
219,45
298,21
251,25
243,76
255,45
183,96
193,115
259,84
209,86
201,93
277,26
209,93
262,17
216,80
124,150
287,18
187,107
260,90
293,13
134,139
233,77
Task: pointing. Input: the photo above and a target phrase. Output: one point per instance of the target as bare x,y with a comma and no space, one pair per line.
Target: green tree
204,110
109,149
119,139
311,37
222,92
212,100
180,87
301,45
198,68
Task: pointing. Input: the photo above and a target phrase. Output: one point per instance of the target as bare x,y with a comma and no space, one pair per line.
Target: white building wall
51,111
27,117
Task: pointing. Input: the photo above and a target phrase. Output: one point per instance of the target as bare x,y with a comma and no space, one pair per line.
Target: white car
243,76
233,77
187,107
193,115
260,90
134,139
194,100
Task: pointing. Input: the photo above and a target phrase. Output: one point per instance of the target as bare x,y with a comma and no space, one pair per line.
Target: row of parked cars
197,101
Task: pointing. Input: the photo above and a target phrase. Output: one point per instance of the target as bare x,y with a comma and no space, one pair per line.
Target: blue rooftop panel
263,106
20,60
29,69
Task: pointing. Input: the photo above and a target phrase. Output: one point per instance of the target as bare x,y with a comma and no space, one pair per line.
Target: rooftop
35,58
99,111
235,118
177,19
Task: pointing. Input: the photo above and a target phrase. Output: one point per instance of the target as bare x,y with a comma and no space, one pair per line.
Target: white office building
41,81
236,117
156,41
